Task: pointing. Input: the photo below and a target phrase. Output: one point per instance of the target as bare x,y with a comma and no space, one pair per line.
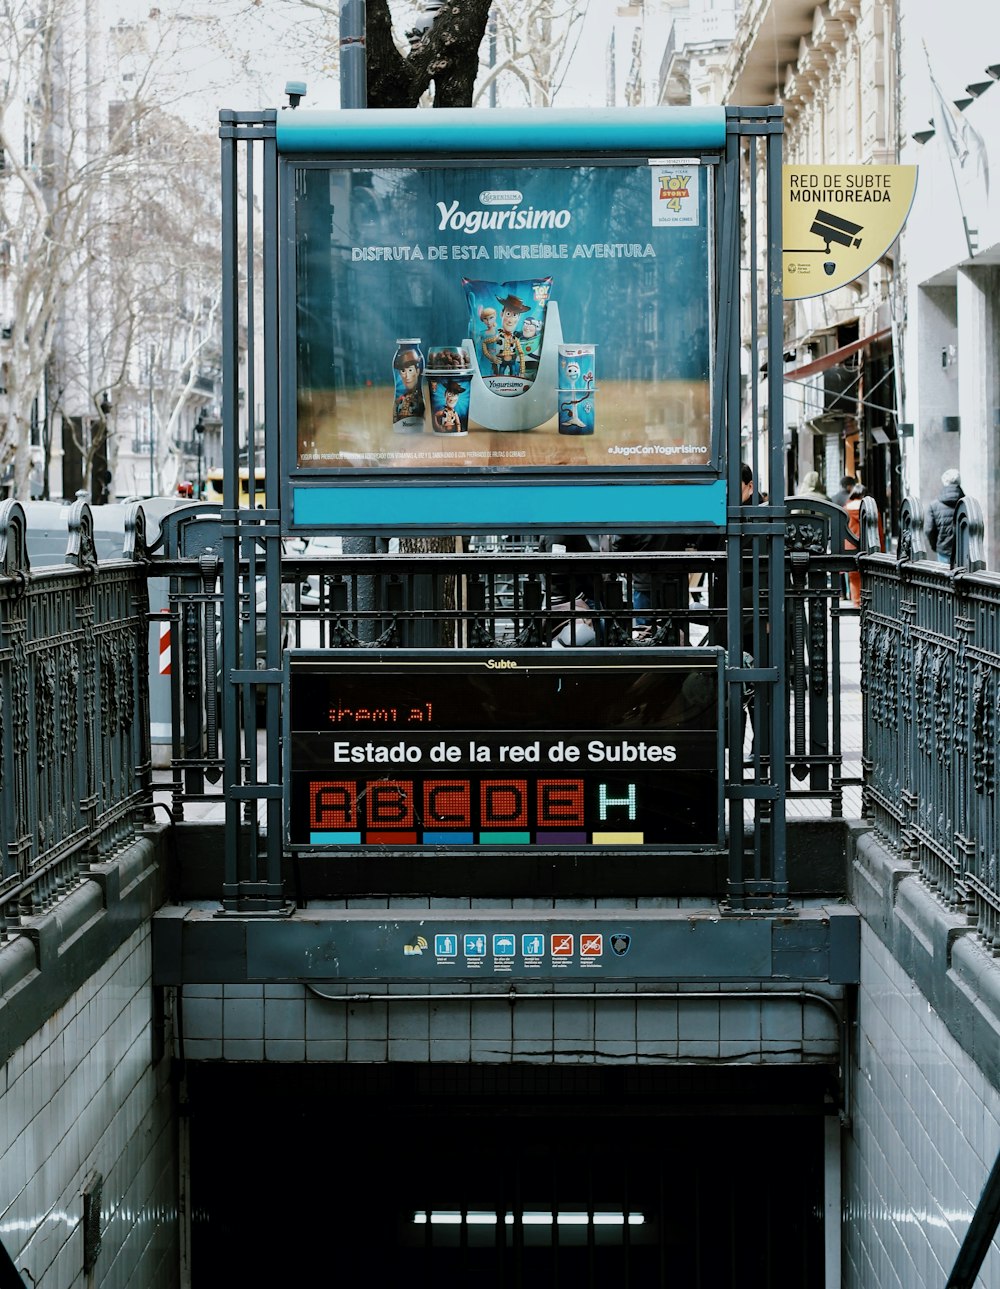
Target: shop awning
835,356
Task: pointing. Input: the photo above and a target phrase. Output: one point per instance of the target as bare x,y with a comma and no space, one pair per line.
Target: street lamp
199,430
105,409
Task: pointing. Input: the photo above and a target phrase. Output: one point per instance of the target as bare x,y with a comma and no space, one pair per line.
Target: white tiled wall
925,1134
82,1095
294,1023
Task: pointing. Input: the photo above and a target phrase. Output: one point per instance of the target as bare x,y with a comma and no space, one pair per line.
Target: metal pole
199,430
353,58
354,93
492,30
152,433
979,1235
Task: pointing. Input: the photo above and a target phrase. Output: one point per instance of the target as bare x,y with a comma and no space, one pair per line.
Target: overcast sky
265,50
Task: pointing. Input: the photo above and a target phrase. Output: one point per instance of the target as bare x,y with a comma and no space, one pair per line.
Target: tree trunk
443,546
447,56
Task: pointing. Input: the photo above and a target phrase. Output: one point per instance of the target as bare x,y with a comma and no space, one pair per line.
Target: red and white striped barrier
165,648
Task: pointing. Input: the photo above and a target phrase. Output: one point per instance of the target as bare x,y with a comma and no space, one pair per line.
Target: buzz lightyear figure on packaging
531,330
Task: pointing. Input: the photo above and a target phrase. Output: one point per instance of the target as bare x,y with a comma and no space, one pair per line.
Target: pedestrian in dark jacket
940,525
843,493
668,589
840,498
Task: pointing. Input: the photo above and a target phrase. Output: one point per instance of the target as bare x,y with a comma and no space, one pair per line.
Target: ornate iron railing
75,774
930,662
507,595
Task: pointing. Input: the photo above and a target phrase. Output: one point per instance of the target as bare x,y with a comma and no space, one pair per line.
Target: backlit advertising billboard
524,300
517,317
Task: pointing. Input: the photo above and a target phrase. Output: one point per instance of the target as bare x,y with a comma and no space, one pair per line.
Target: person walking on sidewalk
811,489
843,493
840,498
853,509
940,526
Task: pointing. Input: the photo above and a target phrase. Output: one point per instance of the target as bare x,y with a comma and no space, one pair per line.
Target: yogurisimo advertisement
531,316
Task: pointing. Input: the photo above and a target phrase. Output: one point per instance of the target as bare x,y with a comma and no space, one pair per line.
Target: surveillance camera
831,228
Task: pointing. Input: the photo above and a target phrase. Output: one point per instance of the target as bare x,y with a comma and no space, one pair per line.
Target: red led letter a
333,805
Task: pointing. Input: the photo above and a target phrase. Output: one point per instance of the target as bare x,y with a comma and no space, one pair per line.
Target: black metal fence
930,660
75,767
75,773
501,593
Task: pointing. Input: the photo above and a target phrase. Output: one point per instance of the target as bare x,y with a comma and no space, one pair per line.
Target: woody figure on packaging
509,349
447,419
409,399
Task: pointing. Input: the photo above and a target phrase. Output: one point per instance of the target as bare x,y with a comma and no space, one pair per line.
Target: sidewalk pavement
850,724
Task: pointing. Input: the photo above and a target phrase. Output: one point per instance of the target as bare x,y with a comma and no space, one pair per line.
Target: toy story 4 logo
675,195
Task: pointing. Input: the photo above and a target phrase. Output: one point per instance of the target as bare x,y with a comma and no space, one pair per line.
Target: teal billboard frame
438,488
741,149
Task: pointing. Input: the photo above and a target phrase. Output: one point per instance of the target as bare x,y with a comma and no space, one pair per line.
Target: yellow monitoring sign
838,221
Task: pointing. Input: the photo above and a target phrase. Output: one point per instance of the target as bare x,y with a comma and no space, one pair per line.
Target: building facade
892,378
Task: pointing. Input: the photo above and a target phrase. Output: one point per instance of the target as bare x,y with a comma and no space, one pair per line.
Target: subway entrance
508,1175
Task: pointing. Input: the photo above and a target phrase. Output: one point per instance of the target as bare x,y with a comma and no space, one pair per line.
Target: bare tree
58,156
531,44
162,280
511,51
99,211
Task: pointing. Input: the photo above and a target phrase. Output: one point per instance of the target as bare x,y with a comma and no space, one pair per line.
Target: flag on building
964,142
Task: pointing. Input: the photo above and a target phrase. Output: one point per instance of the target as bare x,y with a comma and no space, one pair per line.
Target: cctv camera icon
831,228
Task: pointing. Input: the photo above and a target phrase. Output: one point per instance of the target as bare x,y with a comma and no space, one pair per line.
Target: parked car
319,547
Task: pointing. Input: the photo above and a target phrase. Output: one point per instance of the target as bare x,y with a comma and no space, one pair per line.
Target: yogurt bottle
576,367
408,404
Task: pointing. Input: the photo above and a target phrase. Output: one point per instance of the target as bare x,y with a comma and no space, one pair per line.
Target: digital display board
534,316
567,749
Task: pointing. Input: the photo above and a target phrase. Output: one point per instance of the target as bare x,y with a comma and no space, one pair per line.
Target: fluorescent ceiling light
575,1218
